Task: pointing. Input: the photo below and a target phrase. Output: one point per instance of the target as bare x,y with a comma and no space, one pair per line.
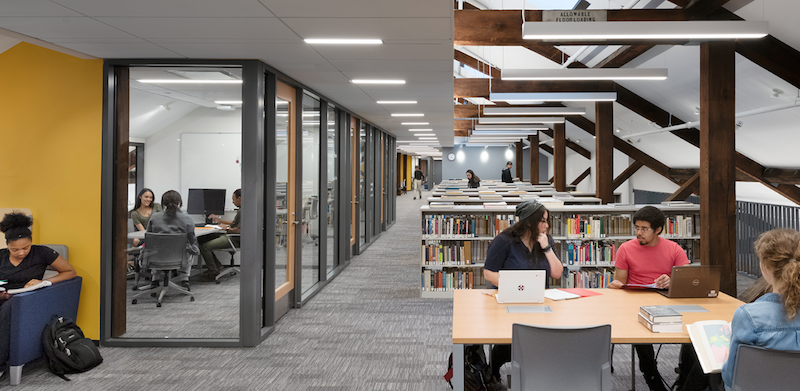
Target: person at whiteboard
472,180
522,246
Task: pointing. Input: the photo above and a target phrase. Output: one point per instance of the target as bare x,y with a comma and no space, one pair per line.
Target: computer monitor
206,201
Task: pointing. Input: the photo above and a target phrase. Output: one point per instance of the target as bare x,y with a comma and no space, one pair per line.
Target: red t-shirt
644,264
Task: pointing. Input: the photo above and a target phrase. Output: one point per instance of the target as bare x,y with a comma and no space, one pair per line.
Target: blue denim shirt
761,323
507,253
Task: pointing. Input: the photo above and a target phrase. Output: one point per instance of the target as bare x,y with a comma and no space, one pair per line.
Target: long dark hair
171,202
15,226
529,225
138,203
474,177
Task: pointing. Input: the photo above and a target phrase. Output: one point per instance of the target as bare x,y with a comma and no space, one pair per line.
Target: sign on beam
570,16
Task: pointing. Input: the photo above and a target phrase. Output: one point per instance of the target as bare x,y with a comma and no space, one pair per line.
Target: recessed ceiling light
368,81
424,134
397,102
408,115
428,138
414,123
228,102
420,130
189,81
343,41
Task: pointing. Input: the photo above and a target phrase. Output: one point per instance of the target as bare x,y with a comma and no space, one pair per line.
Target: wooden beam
781,176
548,149
773,55
560,157
520,169
623,55
476,64
619,180
461,133
581,177
533,139
653,113
626,148
718,160
701,8
688,187
474,88
604,151
463,124
571,145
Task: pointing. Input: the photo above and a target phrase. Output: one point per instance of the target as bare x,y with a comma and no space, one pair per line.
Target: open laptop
521,286
693,282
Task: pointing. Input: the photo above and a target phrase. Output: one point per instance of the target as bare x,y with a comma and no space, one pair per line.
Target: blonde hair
779,252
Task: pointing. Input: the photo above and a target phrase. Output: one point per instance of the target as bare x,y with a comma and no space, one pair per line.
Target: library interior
213,146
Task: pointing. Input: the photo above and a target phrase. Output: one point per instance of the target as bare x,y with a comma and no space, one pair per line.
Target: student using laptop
648,259
522,246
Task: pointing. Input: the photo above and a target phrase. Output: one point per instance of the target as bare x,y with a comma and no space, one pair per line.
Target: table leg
458,367
633,368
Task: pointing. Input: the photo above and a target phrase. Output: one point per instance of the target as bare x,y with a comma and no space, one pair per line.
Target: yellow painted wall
410,174
50,156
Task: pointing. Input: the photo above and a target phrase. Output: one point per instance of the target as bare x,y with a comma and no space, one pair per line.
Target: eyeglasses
643,229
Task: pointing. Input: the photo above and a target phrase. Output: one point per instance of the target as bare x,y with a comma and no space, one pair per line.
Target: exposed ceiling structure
767,138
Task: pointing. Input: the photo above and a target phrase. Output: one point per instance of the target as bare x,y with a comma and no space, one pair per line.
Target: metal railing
752,219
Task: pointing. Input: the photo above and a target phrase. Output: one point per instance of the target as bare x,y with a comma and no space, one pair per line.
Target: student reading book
711,340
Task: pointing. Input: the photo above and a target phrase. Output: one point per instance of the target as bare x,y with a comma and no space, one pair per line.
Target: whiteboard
211,161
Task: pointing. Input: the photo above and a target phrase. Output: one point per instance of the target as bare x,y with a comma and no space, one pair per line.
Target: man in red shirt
648,259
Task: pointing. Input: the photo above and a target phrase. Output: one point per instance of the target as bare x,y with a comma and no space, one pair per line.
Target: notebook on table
693,282
520,286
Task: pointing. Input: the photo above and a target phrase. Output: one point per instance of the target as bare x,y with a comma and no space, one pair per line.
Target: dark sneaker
185,284
208,277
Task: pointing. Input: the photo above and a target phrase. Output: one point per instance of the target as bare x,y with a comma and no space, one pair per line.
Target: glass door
286,216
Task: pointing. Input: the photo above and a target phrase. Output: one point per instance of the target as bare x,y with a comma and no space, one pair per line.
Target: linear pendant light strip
511,127
534,111
520,120
668,30
586,74
522,97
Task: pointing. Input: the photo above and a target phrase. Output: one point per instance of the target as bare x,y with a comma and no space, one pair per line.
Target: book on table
660,314
676,327
711,340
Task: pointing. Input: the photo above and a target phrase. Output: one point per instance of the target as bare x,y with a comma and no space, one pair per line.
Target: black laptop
693,282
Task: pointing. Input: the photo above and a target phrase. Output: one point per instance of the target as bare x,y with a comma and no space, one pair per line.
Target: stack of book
661,319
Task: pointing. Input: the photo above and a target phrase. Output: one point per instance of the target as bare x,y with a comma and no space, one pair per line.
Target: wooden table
478,319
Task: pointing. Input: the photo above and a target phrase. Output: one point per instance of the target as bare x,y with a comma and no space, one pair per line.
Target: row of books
450,280
586,279
454,253
590,253
661,319
691,247
594,226
464,226
681,226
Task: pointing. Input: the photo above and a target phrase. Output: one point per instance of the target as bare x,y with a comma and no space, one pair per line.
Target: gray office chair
61,250
560,358
164,253
759,368
232,269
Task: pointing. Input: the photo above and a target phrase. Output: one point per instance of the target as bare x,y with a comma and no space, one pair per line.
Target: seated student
771,321
220,242
142,209
645,260
472,180
171,221
522,246
22,264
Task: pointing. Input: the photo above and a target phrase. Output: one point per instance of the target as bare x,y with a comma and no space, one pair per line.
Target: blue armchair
30,312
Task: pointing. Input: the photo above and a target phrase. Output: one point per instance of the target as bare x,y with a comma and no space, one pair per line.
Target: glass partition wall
198,132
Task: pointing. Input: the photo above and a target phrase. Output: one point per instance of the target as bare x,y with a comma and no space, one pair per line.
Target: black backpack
67,350
477,372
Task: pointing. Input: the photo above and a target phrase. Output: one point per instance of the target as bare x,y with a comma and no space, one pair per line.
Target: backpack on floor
477,372
66,348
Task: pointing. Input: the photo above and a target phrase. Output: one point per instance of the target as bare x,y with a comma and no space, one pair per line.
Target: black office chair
165,253
232,269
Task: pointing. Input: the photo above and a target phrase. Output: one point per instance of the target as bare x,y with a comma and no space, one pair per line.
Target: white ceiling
417,35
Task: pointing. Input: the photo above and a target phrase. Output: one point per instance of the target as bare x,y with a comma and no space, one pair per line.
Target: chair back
560,358
163,251
60,249
759,368
131,227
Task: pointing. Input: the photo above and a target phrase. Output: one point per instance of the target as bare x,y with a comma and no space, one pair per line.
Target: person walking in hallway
506,177
418,178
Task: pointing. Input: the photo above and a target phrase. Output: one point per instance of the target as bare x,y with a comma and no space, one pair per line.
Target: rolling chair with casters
539,354
165,253
313,219
759,368
232,269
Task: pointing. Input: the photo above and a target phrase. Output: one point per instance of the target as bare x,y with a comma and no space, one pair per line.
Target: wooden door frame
289,93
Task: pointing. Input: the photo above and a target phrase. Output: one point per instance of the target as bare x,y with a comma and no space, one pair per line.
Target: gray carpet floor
368,329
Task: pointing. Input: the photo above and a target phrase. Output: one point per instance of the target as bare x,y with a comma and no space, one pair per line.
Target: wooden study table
478,319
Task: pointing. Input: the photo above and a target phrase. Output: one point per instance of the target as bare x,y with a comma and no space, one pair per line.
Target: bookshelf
455,239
